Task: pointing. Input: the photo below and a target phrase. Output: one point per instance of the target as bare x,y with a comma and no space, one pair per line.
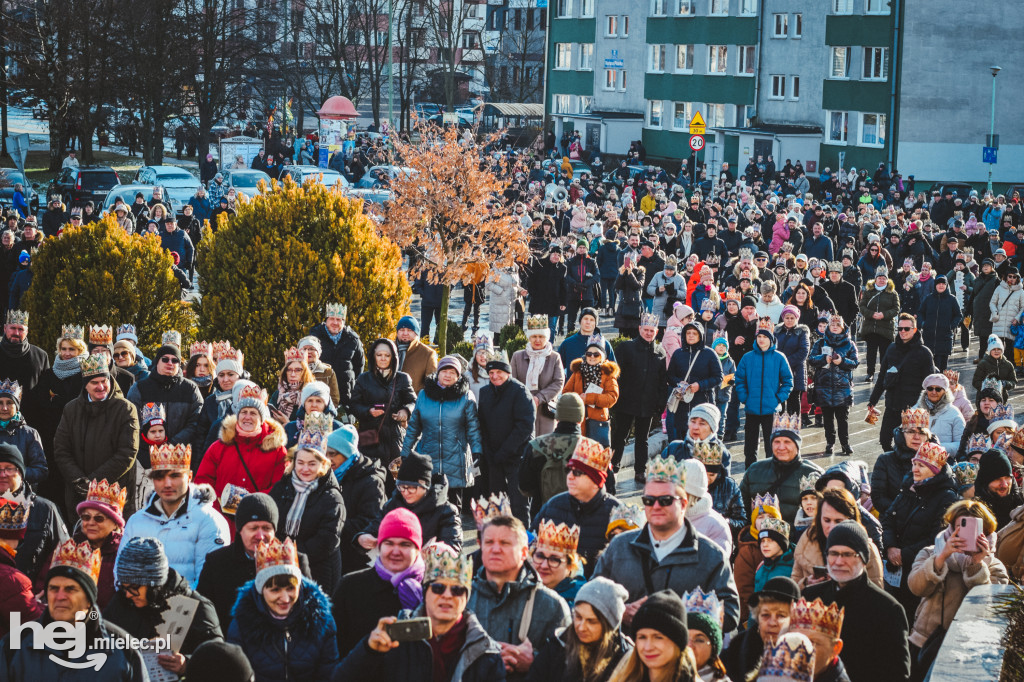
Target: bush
268,273
463,348
507,333
617,341
98,274
455,335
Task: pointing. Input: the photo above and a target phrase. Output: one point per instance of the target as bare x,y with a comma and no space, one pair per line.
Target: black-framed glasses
455,590
661,500
575,473
906,329
171,360
935,389
552,561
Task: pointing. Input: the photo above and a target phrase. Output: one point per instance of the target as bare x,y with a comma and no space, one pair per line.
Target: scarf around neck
287,397
67,368
223,403
302,491
591,374
407,583
537,361
13,350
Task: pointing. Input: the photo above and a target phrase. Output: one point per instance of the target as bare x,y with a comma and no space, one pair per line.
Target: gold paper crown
336,310
790,660
11,388
318,421
666,470
766,500
537,322
253,392
916,418
72,331
766,324
220,349
649,319
101,335
560,538
965,473
107,493
13,515
441,562
171,338
276,553
953,376
816,617
168,457
766,522
835,266
933,454
592,454
786,422
200,348
708,603
733,296
17,317
980,442
490,507
83,557
807,482
95,364
708,453
1017,441
293,354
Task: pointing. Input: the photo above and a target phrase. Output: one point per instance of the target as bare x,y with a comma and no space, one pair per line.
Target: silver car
303,174
179,185
246,181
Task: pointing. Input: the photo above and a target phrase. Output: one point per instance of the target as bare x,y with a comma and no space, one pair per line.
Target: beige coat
808,554
552,378
420,362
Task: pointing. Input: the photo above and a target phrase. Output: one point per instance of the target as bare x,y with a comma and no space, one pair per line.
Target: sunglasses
90,518
171,360
76,217
661,500
121,354
906,329
935,389
455,590
575,473
593,355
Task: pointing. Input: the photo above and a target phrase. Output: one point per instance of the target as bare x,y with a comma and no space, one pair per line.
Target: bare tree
514,66
445,21
371,44
410,43
336,70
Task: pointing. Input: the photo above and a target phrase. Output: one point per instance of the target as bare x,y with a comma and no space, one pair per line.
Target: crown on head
965,473
786,422
766,324
766,500
318,421
666,470
791,659
916,418
336,310
708,453
11,388
153,411
1018,439
441,562
709,303
733,296
97,363
558,538
953,376
807,482
708,603
766,522
1003,442
933,454
649,319
993,384
746,254
83,557
628,514
72,331
17,317
169,457
294,354
592,454
13,514
101,334
200,348
537,322
489,507
712,259
816,617
253,392
126,329
219,349
107,493
481,342
824,316
229,353
313,440
835,266
596,340
1001,412
980,442
276,553
171,338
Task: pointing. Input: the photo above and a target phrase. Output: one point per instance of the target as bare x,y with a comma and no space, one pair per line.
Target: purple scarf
408,582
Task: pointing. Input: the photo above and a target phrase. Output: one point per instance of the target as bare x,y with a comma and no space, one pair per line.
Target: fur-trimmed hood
310,618
273,434
608,367
454,392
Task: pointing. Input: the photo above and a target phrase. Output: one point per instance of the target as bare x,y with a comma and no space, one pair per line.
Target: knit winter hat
125,345
219,661
994,464
709,413
994,342
850,534
704,623
774,529
664,611
344,440
408,322
141,561
696,478
12,455
256,507
450,362
307,341
589,311
790,310
250,396
315,388
416,469
401,524
168,349
606,597
569,408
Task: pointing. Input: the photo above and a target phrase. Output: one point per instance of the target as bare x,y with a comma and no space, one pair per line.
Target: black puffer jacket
890,470
362,489
913,362
915,517
642,383
844,298
506,415
548,288
592,517
438,518
181,399
371,389
345,357
319,529
362,598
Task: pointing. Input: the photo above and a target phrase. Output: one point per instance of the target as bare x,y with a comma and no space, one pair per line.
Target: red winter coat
264,455
15,593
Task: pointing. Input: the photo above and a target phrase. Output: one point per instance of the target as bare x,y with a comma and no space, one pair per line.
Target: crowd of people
318,527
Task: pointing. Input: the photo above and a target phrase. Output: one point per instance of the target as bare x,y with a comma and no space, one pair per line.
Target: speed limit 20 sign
696,142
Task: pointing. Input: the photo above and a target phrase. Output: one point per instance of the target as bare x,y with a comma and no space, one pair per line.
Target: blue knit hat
345,440
409,322
141,561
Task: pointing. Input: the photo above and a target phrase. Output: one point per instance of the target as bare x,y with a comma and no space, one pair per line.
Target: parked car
1018,188
554,166
85,183
180,185
959,189
246,181
427,109
611,176
9,177
303,174
372,178
127,194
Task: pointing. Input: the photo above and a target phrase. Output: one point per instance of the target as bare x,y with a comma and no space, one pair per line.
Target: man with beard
19,360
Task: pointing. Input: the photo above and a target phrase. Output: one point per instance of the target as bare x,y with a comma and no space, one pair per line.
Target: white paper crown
336,310
17,317
699,601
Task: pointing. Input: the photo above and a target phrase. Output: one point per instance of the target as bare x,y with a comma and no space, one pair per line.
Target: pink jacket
780,234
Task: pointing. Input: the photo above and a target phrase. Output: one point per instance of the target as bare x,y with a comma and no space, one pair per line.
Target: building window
840,63
794,87
586,56
563,56
745,67
564,9
842,6
517,19
654,115
586,101
748,7
876,6
622,80
781,23
612,26
684,8
658,8
716,116
657,61
586,8
684,58
837,122
611,79
876,63
798,26
719,7
717,57
624,25
872,130
561,104
681,116
778,87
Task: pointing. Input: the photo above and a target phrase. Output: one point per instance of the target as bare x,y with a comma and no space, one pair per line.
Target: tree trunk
442,324
85,134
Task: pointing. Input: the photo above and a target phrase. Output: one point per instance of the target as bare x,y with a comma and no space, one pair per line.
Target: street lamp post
992,122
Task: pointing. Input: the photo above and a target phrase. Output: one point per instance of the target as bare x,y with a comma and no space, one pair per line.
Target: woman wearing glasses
101,523
556,561
1007,303
837,505
596,380
946,422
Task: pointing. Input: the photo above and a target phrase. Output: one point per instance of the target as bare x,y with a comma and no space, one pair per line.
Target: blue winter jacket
201,208
763,380
30,445
608,259
180,243
833,384
795,343
819,247
445,426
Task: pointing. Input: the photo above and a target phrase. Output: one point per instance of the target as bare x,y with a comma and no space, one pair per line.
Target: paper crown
294,354
932,454
227,353
336,310
592,454
814,616
83,557
1017,441
17,317
558,538
11,388
835,266
200,348
980,442
766,522
746,254
169,457
992,384
649,319
708,603
766,500
666,470
171,338
101,335
127,331
441,562
489,507
313,440
807,482
253,392
627,516
709,303
596,340
95,364
791,659
765,324
276,553
916,418
481,342
786,422
13,515
1001,412
953,376
537,322
965,473
318,421
73,332
1003,442
708,453
733,296
153,412
824,316
107,493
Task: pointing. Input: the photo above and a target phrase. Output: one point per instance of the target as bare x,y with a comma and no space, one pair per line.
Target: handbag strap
387,408
246,467
524,624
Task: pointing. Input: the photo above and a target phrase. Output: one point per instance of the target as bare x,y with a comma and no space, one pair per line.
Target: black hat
416,469
219,661
498,362
555,248
942,279
256,507
994,464
780,587
748,301
589,311
140,195
850,534
665,612
12,455
168,349
84,580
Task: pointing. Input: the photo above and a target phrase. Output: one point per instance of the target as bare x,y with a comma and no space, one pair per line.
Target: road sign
614,63
696,142
988,155
697,124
